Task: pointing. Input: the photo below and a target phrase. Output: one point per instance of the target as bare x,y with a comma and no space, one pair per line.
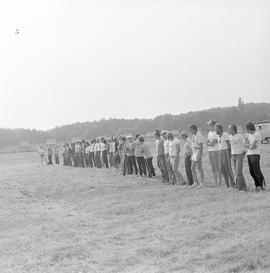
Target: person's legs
147,164
213,166
255,170
200,169
179,177
134,164
223,168
164,168
140,161
239,172
194,173
152,167
188,169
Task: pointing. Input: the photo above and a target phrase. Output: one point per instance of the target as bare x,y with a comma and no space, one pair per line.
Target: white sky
79,60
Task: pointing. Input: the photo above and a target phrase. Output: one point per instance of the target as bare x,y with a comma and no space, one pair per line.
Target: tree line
239,115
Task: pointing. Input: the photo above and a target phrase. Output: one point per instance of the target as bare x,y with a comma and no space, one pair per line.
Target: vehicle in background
264,129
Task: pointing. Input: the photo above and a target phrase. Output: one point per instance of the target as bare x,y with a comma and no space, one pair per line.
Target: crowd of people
133,155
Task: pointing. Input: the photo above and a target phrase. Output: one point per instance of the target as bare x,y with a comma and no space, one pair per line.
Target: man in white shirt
197,152
174,155
238,151
213,152
253,140
188,155
166,152
224,155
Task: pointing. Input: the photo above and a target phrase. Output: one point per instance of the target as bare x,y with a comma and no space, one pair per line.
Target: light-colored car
264,129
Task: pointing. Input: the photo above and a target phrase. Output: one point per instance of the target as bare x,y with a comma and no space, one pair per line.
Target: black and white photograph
135,136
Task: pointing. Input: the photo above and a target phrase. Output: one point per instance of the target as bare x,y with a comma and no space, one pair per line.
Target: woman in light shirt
253,154
238,151
224,157
213,151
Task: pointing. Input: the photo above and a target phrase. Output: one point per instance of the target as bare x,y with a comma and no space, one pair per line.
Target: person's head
157,135
232,129
250,127
169,136
164,134
141,138
137,136
193,129
211,124
124,139
129,138
219,129
98,140
184,135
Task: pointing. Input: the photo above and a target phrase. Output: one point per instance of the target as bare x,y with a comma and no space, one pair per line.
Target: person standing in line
87,154
97,154
83,153
197,153
213,152
238,152
56,154
92,156
148,157
64,154
72,153
104,149
166,152
131,156
41,153
69,154
161,157
188,155
111,148
116,157
50,155
253,141
139,156
174,154
224,155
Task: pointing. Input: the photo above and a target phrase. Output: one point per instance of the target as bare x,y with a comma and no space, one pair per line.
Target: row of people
134,155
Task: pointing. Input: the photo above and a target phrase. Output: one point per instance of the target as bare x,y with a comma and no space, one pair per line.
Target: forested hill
236,114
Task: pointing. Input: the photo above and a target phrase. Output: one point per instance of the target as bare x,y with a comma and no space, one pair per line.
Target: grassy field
60,219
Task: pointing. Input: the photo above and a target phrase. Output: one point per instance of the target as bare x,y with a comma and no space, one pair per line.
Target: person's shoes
200,186
183,183
258,189
193,185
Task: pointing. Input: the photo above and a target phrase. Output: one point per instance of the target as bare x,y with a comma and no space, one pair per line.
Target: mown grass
58,219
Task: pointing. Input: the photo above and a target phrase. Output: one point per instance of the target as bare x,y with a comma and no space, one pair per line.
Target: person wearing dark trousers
50,155
253,140
188,155
139,156
148,158
56,154
131,156
161,162
105,153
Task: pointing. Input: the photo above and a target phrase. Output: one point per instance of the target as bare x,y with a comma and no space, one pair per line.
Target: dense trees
236,114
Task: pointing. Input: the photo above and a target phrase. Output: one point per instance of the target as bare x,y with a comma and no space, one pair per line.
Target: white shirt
97,147
92,147
188,147
173,147
196,142
251,138
212,135
102,147
222,142
87,149
166,146
237,144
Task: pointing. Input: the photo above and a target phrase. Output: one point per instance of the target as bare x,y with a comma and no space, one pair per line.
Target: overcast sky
80,60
